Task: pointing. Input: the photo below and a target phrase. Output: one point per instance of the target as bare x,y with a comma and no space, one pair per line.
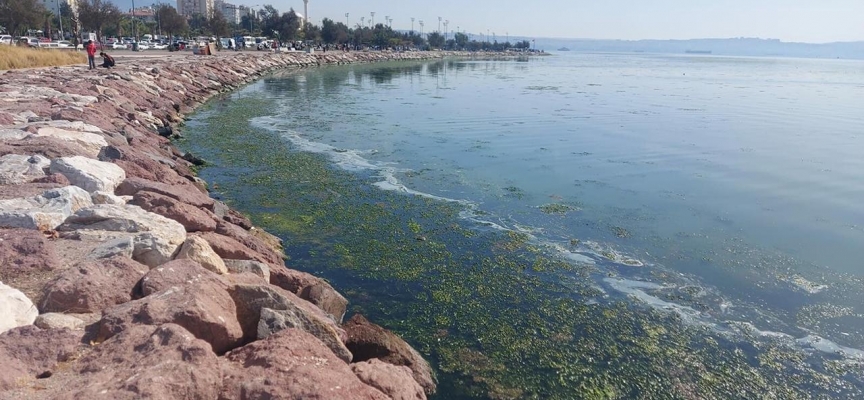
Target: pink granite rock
290,364
92,286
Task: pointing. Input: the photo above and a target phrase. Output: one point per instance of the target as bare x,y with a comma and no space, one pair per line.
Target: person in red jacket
91,54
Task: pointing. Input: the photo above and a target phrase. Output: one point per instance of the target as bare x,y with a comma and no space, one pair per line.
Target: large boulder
177,273
16,168
156,238
367,341
265,252
290,364
15,309
204,308
228,248
147,362
24,252
394,381
28,352
311,288
198,250
264,310
92,286
90,142
89,174
187,194
192,218
43,212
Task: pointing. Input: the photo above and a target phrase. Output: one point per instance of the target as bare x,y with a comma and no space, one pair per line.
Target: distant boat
563,49
698,52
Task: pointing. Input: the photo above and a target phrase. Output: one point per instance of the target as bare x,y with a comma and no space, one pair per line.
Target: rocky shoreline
122,278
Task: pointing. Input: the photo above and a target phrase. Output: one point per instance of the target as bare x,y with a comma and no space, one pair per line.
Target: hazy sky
788,20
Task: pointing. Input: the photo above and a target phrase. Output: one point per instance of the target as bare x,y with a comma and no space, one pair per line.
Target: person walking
91,54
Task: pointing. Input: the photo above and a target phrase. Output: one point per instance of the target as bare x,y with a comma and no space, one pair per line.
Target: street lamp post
439,24
387,19
372,21
421,27
134,25
60,19
347,22
412,25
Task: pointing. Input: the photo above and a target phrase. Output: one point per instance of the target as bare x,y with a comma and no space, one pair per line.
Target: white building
188,8
230,11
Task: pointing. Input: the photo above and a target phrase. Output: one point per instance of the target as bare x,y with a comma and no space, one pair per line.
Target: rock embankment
122,278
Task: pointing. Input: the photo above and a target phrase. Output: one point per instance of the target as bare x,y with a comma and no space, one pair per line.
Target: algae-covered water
577,226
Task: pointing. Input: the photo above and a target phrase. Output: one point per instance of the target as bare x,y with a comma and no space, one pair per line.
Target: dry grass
14,57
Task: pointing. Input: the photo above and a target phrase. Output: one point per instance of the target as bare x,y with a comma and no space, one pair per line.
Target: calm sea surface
725,191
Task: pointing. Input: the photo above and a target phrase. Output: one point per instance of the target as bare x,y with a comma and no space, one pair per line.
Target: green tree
198,24
170,21
95,15
436,40
332,32
461,40
218,25
20,15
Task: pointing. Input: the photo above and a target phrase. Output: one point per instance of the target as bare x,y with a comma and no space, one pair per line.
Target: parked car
119,46
6,39
64,44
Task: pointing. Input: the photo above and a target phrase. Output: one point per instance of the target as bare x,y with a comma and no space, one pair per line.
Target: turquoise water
723,191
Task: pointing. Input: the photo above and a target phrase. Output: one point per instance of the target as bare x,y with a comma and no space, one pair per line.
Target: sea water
723,190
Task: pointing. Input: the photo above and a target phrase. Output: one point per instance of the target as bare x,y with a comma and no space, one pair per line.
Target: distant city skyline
788,20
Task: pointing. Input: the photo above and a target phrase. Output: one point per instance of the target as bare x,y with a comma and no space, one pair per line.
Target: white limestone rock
15,309
197,249
16,168
124,247
44,212
89,174
91,142
157,238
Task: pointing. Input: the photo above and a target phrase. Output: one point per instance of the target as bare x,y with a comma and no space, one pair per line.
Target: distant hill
730,47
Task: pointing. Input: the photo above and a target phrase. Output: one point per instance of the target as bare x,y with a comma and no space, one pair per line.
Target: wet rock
89,174
43,212
192,218
248,266
290,312
184,193
198,250
92,286
59,321
29,351
15,168
290,364
394,381
157,238
15,309
367,341
204,308
312,289
147,362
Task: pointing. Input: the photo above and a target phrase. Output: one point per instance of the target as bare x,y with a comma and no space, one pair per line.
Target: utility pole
60,18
